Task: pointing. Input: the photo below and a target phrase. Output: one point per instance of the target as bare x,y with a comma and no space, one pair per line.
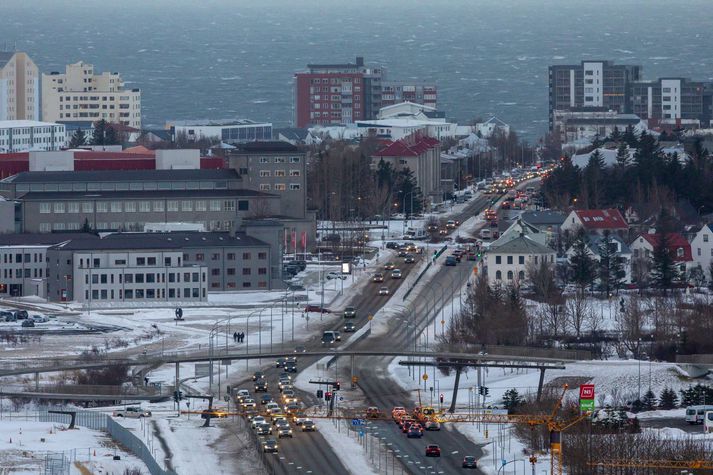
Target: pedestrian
242,337
235,336
146,381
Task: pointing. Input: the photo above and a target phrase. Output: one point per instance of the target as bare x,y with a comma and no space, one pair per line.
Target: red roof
676,241
601,219
411,146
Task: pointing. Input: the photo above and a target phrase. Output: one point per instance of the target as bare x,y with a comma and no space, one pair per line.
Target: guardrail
521,351
703,359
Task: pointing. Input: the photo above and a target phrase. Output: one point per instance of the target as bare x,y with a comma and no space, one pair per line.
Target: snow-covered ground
24,445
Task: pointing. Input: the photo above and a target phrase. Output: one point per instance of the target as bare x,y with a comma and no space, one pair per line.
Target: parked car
317,308
28,323
7,317
133,412
40,319
21,314
336,275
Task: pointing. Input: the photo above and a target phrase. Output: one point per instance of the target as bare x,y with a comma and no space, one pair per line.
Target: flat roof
123,175
161,240
214,122
47,239
138,194
266,146
11,124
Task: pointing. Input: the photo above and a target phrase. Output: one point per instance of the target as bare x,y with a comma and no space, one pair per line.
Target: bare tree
542,278
631,319
579,312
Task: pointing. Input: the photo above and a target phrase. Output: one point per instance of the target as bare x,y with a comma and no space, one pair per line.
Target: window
130,207
294,159
187,205
264,187
172,205
521,259
264,160
231,256
264,173
521,275
705,238
294,186
58,207
247,284
246,256
201,206
158,205
45,208
294,173
229,205
280,173
129,278
231,271
215,205
144,206
243,205
679,252
262,271
509,259
498,259
200,256
102,207
195,277
510,275
139,278
116,206
280,187
280,159
498,275
246,271
73,207
140,261
262,255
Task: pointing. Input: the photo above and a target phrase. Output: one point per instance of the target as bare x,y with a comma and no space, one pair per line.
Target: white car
248,403
132,413
257,420
336,275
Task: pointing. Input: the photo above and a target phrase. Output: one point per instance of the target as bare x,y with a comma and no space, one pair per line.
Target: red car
433,450
316,308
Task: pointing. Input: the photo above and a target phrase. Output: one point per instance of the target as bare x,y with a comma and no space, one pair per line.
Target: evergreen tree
663,269
86,227
611,265
581,264
615,135
512,399
710,275
408,193
696,395
622,155
668,399
78,139
630,137
594,176
648,402
104,134
596,141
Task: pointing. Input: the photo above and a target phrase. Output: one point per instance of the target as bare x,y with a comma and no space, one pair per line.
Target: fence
376,449
99,421
270,461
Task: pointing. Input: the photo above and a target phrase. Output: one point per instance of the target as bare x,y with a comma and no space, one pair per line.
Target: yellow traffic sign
371,317
355,379
443,322
425,376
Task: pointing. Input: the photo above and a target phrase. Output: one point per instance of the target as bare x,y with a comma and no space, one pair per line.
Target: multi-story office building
80,95
229,131
591,84
394,92
23,135
19,87
673,101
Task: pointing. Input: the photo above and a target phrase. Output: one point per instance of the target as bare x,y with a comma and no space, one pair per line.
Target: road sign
358,422
586,391
586,405
355,379
361,433
425,376
371,317
202,370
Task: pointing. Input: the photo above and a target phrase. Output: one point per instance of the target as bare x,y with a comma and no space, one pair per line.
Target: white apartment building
25,135
507,264
19,87
81,95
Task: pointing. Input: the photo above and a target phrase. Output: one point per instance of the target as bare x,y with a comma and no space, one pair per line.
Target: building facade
24,135
702,249
394,92
673,101
230,131
19,87
591,84
80,94
507,264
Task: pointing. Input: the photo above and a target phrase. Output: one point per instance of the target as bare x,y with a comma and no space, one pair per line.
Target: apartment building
24,135
19,87
81,94
673,101
600,85
230,131
395,92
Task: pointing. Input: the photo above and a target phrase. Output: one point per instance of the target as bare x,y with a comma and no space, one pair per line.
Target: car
396,274
456,257
213,414
299,349
272,407
316,308
450,261
261,386
248,403
7,317
433,450
432,425
384,291
392,245
280,362
397,412
299,417
28,323
405,423
250,414
450,224
287,393
309,426
292,408
329,338
402,253
263,429
285,375
256,421
284,432
133,412
336,275
373,412
270,445
21,314
350,312
337,335
282,423
40,319
389,266
349,327
277,417
291,367
242,394
414,432
409,259
378,277
284,382
443,231
258,375
470,462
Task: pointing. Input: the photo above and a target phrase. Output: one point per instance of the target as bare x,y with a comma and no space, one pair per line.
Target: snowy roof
608,156
676,241
408,148
495,121
601,219
400,105
398,122
521,245
544,217
7,124
594,241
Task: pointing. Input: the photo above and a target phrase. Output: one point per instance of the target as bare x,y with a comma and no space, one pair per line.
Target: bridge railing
520,351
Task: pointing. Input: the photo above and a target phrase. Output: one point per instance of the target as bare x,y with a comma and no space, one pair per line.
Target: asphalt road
675,422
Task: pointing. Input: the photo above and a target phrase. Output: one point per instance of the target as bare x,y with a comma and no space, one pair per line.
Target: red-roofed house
679,248
420,154
596,221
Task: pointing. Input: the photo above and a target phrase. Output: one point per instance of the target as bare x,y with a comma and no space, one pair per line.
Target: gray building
599,85
175,266
673,101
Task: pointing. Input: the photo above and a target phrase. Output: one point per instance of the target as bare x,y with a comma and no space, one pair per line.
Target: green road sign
586,405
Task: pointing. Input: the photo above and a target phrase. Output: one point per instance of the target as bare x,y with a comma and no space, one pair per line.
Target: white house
644,245
507,264
521,228
594,242
490,126
702,248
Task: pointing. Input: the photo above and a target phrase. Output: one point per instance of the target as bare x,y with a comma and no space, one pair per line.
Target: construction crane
672,464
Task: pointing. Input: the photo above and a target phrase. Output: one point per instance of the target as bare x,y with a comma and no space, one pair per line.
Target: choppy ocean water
236,58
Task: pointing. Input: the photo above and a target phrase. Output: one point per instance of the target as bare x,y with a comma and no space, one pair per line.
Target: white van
696,414
486,233
708,423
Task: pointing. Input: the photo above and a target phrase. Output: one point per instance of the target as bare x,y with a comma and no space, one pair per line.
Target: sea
211,59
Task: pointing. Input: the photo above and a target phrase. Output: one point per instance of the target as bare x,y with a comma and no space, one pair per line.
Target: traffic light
336,386
328,396
486,391
320,394
177,395
441,398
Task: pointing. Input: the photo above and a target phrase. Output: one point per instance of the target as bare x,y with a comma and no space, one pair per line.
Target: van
708,423
696,414
485,233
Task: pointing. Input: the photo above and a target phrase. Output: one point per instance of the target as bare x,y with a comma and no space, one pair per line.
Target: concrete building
421,155
19,87
507,264
394,92
583,124
702,249
230,131
402,127
591,84
24,135
675,102
80,94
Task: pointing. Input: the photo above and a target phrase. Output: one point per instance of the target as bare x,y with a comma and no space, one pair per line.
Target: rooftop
213,122
123,175
676,241
521,245
11,124
267,146
408,147
168,240
601,218
136,194
48,239
543,217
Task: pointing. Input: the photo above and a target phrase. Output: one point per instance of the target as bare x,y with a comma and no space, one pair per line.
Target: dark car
414,432
451,261
270,445
349,327
28,323
392,245
261,386
280,362
470,462
291,367
265,399
316,308
308,426
258,375
433,450
300,349
21,314
350,312
409,259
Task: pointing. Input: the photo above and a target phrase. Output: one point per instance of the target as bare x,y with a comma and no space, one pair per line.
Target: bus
696,414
